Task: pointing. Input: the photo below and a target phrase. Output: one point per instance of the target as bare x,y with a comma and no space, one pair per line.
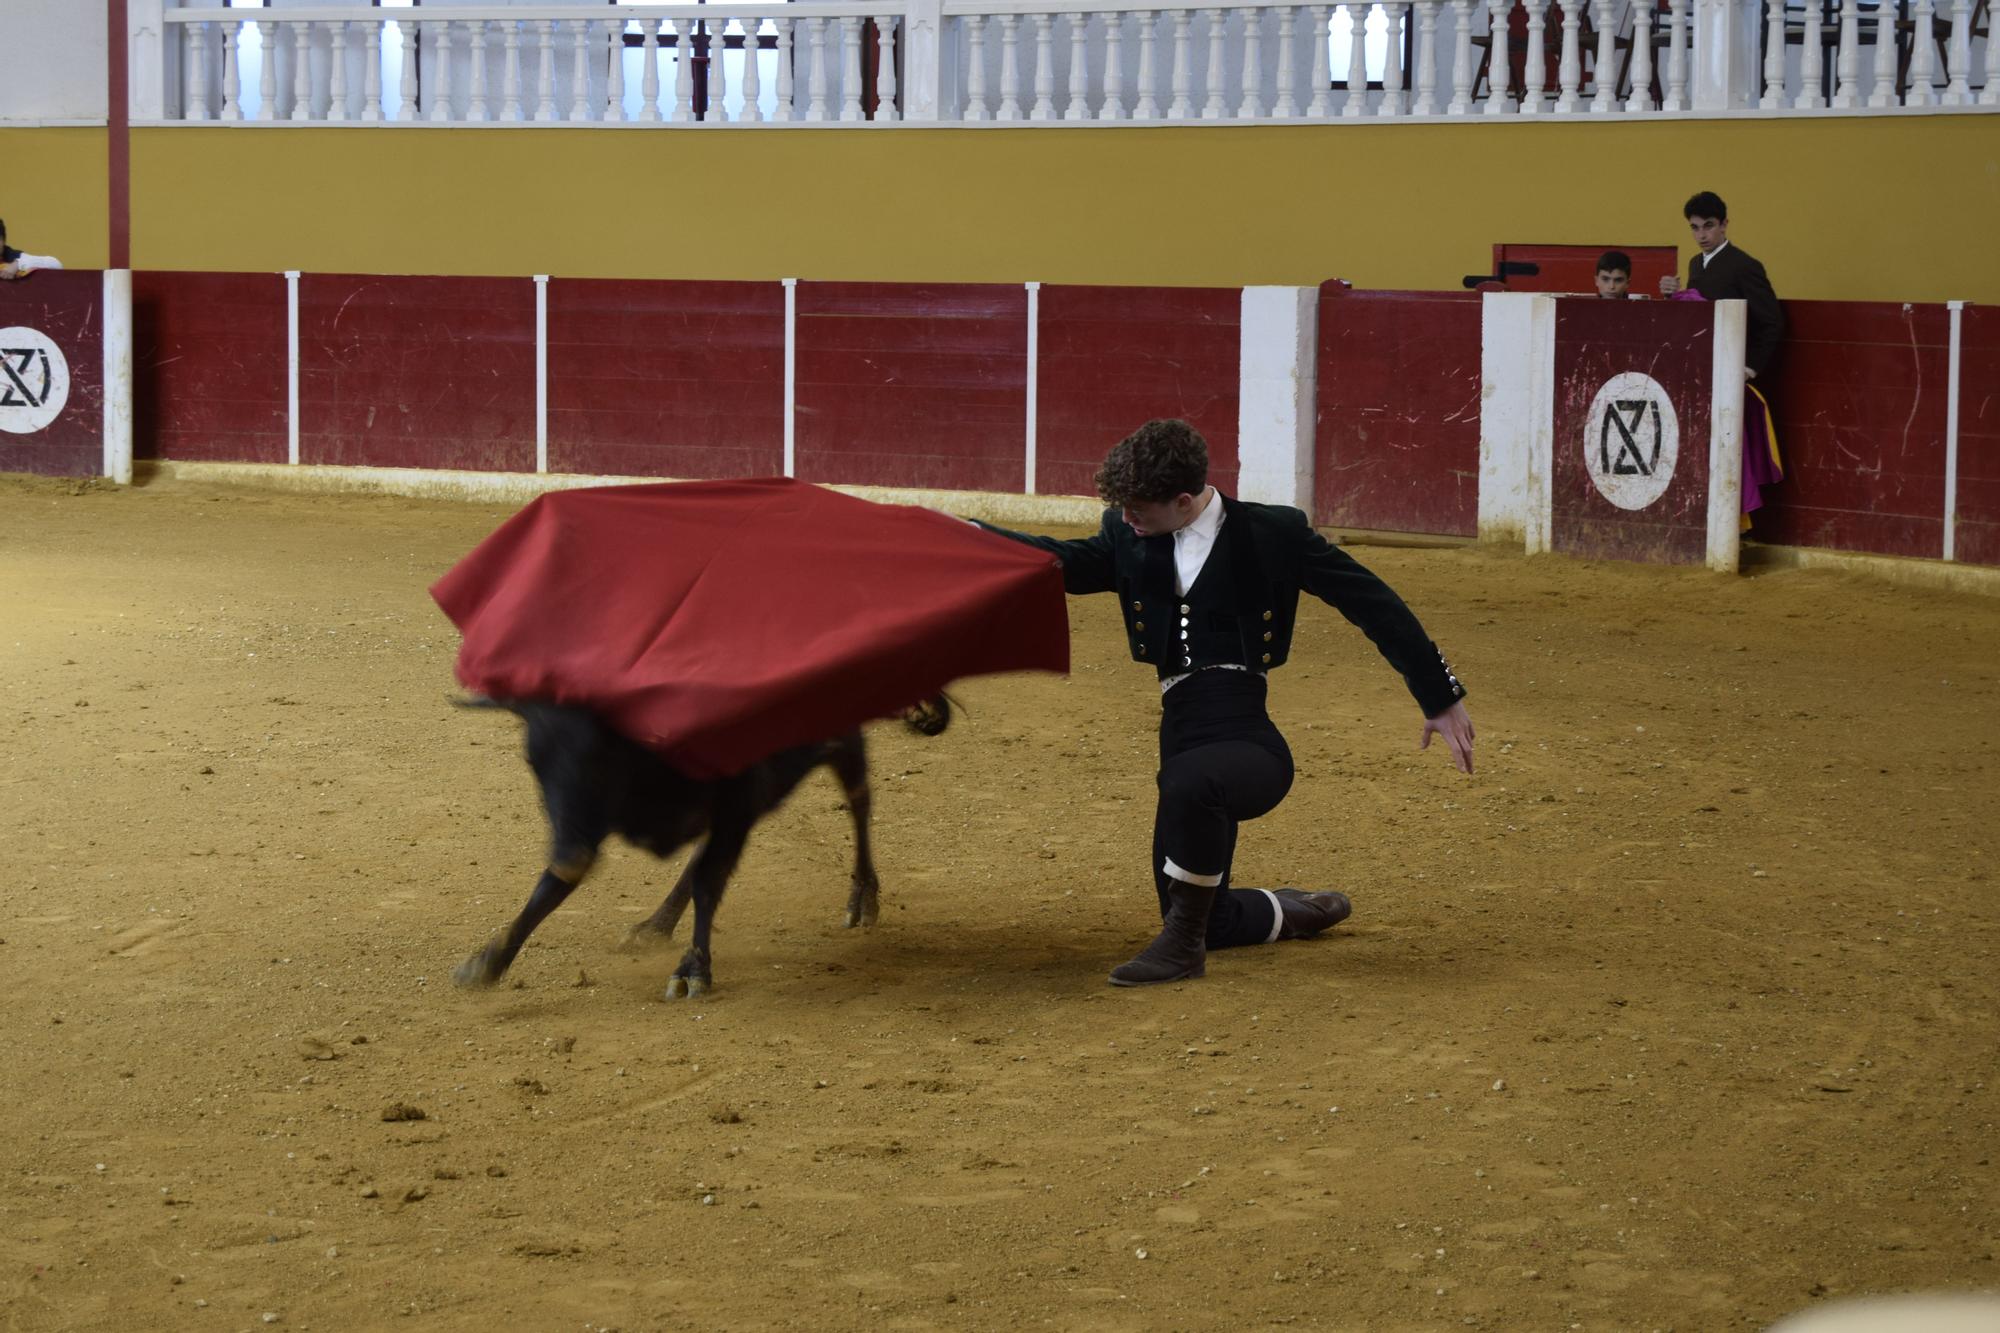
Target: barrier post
1516,431
118,375
1277,395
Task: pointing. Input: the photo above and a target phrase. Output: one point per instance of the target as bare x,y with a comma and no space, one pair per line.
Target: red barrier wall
208,367
1397,439
666,379
1110,359
907,384
417,372
1859,397
1978,534
1672,343
65,307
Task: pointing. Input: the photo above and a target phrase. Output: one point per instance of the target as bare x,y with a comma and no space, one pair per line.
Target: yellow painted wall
54,188
1877,208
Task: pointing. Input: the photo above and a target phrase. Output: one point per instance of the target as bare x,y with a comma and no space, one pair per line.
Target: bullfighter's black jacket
1241,609
1733,275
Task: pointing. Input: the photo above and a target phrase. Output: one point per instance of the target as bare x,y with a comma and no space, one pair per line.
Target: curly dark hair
1153,464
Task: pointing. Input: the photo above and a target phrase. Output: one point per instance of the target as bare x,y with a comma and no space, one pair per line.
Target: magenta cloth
719,622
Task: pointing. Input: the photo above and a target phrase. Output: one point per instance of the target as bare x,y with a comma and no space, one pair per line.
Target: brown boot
1304,915
1180,951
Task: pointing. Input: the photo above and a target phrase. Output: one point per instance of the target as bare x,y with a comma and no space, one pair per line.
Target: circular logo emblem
34,381
1632,440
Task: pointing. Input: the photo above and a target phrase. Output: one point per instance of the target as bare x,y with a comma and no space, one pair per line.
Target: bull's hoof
863,912
480,970
686,988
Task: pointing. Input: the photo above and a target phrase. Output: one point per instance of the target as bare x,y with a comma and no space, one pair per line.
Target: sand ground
1681,1013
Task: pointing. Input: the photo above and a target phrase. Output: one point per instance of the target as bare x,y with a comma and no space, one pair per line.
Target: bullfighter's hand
1455,725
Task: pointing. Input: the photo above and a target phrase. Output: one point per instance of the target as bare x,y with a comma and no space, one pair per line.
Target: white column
1535,64
1034,379
545,70
1045,68
923,60
292,366
784,109
336,71
791,374
1321,105
1774,57
1010,67
1642,57
1182,106
816,108
975,68
1148,105
1882,71
579,69
301,71
1990,94
146,55
1959,91
438,107
194,89
1951,409
475,36
1516,418
1677,57
850,68
1392,71
541,372
1461,59
371,71
1725,54
1277,395
1214,108
1725,437
1113,107
117,329
1252,105
1847,60
885,69
1287,105
1499,58
649,69
1604,71
510,70
267,80
683,112
718,83
1423,58
1811,77
1079,63
614,75
232,76
1923,56
1569,72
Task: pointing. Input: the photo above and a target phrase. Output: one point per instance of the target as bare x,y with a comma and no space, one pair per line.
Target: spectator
1614,276
14,264
1723,272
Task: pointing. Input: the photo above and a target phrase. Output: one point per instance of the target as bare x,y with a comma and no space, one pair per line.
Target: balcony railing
1055,61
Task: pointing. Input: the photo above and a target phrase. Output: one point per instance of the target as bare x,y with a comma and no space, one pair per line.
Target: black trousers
1222,761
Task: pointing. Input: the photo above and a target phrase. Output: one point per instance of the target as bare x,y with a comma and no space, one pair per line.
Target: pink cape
719,622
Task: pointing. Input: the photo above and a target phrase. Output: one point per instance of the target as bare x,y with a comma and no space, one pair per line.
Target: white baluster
1812,53
439,106
475,106
1882,92
1570,72
1774,55
1010,68
1642,56
336,65
267,80
409,111
1423,57
1923,56
302,82
1535,63
783,107
1148,106
885,68
196,93
718,86
1393,93
1218,35
1287,105
371,71
1079,65
545,70
753,79
1604,71
649,69
614,73
975,68
579,69
510,78
1959,91
1252,105
1677,56
1357,61
1990,94
1847,60
1461,59
1499,58
232,76
1321,105
816,71
1114,68
683,112
850,69
1045,68
1182,107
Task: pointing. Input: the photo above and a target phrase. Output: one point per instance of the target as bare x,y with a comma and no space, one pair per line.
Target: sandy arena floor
1681,1014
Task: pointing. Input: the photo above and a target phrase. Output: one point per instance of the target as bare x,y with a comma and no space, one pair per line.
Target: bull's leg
709,875
850,765
660,925
565,872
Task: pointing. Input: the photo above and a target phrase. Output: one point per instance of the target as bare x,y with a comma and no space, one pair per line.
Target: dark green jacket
1272,554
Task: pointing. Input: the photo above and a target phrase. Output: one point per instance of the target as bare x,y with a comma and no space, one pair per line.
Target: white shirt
27,263
1193,543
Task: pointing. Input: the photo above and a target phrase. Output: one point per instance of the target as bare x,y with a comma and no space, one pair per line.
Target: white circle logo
1631,440
34,381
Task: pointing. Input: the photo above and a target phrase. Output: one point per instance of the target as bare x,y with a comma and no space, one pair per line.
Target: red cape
719,622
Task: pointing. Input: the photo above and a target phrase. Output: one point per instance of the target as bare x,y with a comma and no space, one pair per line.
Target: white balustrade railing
844,62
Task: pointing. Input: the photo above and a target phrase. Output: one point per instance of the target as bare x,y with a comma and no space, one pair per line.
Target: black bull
595,783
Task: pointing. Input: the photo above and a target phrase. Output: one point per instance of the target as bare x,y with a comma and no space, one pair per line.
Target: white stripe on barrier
117,334
1957,309
1034,374
1725,436
1277,394
292,364
541,372
791,374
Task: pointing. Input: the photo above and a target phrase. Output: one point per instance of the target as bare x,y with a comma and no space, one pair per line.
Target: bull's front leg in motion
864,899
666,917
708,875
489,964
